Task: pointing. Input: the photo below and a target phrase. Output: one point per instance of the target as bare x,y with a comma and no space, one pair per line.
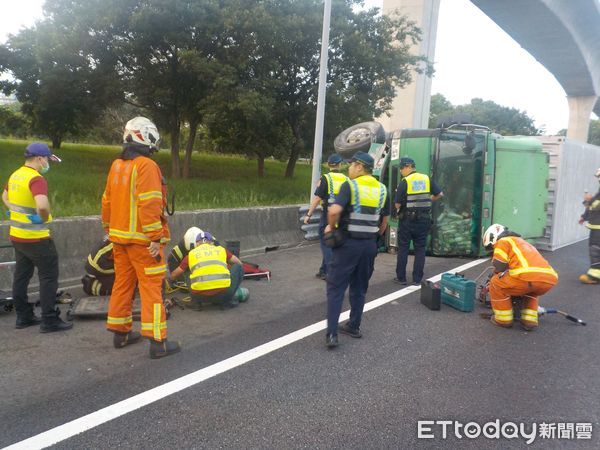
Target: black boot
24,322
54,323
123,339
331,340
163,348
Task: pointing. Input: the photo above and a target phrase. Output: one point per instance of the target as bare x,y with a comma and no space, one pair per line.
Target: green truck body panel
520,186
486,179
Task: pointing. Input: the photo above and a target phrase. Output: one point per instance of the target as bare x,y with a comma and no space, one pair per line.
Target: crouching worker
215,273
99,269
180,251
519,271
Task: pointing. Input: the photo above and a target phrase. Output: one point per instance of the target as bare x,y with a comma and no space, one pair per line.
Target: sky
473,58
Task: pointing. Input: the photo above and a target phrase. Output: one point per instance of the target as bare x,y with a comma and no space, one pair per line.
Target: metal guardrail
6,263
311,231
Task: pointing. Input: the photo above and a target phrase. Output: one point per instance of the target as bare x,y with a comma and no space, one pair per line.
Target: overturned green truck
486,178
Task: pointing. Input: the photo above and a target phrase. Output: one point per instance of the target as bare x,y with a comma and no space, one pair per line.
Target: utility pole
318,145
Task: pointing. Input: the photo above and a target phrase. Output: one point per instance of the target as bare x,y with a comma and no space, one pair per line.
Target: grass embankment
216,181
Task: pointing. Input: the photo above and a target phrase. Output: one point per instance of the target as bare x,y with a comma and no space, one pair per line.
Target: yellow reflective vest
22,203
208,268
334,183
418,191
367,198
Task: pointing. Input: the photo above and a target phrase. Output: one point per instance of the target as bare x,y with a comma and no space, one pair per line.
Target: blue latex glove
35,218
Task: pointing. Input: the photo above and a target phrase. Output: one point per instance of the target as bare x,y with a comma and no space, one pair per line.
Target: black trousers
41,255
417,232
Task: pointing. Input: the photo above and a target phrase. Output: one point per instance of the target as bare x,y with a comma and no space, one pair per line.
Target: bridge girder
562,35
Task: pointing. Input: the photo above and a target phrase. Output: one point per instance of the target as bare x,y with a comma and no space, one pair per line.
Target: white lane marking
87,422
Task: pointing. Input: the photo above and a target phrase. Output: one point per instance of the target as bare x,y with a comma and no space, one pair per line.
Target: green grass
216,181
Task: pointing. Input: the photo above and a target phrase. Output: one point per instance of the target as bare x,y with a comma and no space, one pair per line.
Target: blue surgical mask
45,168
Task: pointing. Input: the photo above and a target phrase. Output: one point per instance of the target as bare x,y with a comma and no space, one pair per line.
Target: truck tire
358,137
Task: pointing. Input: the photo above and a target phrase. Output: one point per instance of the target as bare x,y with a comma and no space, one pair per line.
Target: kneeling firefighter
215,273
182,248
519,271
99,269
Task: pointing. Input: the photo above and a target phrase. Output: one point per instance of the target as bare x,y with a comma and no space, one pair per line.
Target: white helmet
189,238
142,131
491,235
598,173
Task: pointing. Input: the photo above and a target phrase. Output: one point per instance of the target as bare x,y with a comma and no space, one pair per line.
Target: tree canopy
245,71
502,119
60,86
594,135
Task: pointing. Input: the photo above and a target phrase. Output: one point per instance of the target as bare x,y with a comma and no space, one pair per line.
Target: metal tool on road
542,311
96,307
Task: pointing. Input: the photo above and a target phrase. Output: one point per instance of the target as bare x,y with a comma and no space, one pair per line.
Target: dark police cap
406,161
334,159
364,158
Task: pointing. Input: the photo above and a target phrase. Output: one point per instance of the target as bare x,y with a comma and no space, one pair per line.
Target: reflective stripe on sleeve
155,270
150,194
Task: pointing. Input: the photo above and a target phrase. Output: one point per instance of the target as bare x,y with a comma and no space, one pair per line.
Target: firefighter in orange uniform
132,214
519,271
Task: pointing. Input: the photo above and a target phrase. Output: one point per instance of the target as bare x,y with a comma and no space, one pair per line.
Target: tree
13,122
274,51
60,86
248,123
369,57
594,135
155,49
439,108
502,119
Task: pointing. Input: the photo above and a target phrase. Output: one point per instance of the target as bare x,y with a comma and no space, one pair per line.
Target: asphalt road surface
411,365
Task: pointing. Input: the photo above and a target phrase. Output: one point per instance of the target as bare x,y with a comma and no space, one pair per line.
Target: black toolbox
431,295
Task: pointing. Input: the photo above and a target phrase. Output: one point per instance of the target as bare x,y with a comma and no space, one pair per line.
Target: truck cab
486,178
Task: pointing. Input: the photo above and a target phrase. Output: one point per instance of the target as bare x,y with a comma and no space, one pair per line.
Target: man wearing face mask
26,196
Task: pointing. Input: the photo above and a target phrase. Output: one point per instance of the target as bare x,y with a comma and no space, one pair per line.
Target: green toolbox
458,292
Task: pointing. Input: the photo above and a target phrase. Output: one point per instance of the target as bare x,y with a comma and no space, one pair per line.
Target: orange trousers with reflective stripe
135,267
501,291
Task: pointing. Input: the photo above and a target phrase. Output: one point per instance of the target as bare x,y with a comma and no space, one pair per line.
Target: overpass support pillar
580,111
410,108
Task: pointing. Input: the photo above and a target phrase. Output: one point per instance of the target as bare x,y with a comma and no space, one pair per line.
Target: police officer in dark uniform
413,203
355,220
328,187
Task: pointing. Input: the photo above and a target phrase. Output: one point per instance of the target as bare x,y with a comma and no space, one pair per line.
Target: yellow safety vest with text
22,203
418,191
208,268
367,198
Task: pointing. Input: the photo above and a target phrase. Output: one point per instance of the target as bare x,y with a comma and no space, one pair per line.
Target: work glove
35,218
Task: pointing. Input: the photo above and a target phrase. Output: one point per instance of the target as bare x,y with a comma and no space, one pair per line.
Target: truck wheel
358,137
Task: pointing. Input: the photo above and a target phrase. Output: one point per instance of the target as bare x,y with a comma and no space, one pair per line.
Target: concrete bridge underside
562,35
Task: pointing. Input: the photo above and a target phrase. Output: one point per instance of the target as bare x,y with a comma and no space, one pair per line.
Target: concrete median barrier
258,229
